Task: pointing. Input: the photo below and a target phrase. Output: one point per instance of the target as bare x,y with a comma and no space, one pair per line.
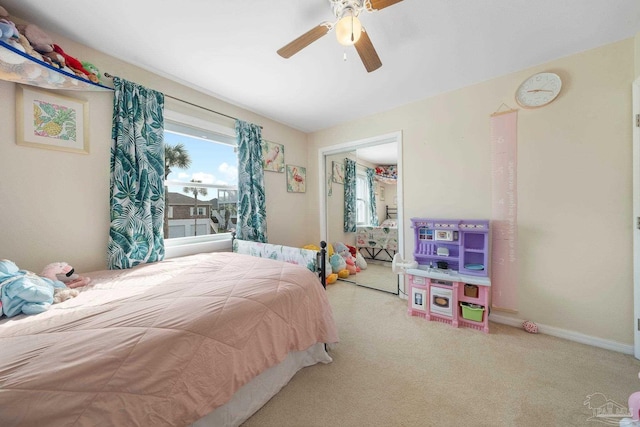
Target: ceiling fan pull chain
352,37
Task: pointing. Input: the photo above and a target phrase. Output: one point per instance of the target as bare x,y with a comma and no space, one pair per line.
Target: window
201,179
362,199
201,211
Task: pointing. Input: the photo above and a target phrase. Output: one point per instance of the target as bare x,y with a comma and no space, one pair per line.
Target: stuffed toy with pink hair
66,274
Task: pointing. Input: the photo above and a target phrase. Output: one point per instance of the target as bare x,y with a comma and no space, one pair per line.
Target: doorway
371,153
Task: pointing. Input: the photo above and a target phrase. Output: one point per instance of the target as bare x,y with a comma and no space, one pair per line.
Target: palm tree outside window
201,180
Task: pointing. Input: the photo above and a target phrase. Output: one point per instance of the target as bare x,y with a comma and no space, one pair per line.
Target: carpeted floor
391,369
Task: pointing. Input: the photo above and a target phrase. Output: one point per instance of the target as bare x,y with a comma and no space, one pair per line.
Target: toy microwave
445,235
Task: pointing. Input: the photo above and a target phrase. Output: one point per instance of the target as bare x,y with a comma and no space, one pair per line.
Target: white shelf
19,67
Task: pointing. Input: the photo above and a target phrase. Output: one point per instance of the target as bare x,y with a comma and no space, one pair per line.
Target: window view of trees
200,186
175,156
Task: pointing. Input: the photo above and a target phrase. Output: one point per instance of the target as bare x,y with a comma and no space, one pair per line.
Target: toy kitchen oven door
441,301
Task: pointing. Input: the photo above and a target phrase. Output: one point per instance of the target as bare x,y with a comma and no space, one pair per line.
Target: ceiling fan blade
381,4
304,40
368,53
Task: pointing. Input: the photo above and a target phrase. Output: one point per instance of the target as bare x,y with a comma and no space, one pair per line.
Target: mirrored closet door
370,231
377,213
337,233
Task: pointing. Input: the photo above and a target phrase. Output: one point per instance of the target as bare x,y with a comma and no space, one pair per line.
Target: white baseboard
569,335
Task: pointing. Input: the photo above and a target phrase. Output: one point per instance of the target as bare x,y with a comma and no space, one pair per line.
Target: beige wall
574,183
637,55
55,205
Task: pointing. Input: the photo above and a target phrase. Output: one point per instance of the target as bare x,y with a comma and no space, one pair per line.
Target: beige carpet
391,369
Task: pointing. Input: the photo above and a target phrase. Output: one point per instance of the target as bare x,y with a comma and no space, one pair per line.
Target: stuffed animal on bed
66,274
25,292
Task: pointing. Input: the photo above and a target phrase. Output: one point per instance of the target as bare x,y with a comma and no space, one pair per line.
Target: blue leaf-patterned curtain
252,210
373,212
349,195
137,172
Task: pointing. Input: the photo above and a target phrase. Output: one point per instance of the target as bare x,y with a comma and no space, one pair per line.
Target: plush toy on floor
360,261
634,410
530,327
344,251
332,278
339,266
329,275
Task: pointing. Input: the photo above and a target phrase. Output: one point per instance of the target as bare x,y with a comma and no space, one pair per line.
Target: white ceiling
227,48
383,154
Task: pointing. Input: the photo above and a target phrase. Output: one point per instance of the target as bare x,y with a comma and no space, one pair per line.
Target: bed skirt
253,395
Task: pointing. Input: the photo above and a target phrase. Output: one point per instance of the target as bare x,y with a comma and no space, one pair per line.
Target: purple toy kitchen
451,283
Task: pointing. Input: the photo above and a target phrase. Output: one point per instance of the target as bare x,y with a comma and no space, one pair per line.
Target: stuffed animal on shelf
9,34
93,70
41,44
66,274
75,64
28,48
39,40
8,30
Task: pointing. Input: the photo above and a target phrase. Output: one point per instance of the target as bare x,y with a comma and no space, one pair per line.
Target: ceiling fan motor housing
341,7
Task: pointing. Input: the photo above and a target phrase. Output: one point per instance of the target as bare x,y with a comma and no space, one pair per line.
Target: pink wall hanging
504,223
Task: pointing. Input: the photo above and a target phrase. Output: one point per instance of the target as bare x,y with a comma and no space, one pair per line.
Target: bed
201,340
379,243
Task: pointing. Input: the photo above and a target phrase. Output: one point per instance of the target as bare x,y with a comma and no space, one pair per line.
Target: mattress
159,344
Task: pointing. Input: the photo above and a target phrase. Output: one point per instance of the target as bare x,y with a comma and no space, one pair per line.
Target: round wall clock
538,90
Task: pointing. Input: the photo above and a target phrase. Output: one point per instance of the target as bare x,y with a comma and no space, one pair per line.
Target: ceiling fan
349,30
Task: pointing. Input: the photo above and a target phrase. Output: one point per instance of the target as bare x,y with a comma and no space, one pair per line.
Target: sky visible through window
211,162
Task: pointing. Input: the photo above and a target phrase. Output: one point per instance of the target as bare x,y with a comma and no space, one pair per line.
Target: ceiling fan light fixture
348,29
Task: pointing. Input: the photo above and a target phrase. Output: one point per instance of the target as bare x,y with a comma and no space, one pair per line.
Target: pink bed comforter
160,344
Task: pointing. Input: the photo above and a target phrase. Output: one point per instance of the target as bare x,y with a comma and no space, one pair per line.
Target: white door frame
636,218
351,146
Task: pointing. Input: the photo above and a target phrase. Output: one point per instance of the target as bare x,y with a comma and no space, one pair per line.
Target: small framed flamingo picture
296,179
272,156
337,173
